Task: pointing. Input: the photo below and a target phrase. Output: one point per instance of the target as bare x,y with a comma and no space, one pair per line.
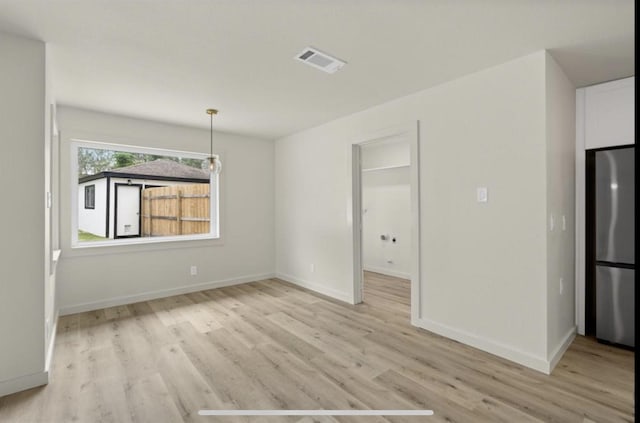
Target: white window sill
142,240
80,249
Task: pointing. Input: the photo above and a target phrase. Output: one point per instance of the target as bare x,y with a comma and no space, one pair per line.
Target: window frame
214,197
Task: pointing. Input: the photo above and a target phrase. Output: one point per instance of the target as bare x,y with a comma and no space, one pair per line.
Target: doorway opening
386,230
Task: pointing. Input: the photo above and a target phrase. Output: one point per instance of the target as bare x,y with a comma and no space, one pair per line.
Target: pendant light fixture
215,165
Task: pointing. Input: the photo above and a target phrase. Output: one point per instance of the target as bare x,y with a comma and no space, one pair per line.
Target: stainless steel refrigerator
614,245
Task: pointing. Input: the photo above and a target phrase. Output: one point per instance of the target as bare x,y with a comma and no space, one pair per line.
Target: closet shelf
373,169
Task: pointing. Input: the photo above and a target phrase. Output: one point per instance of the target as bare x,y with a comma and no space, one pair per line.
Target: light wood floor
271,345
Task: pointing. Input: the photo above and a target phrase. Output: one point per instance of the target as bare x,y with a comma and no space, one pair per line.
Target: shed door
127,220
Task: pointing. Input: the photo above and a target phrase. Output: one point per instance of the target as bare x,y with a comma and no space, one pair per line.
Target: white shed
109,202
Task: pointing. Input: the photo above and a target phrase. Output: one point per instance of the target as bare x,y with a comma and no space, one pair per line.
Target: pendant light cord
214,163
211,135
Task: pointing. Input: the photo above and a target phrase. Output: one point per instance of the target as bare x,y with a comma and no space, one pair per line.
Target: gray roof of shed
162,167
159,170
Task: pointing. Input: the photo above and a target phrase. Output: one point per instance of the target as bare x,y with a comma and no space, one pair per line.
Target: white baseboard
388,272
319,288
22,383
562,348
52,342
501,350
152,295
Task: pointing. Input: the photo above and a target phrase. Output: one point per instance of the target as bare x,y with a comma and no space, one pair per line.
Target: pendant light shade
215,165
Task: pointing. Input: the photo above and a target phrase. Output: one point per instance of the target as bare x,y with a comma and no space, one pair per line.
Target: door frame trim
410,131
115,211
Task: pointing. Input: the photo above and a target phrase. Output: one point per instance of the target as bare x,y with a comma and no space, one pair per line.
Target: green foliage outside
124,159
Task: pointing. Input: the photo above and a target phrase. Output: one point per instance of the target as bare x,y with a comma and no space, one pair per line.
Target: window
125,194
90,197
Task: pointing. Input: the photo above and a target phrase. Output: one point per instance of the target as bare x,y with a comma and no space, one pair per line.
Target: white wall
483,265
386,204
22,249
561,134
94,220
92,277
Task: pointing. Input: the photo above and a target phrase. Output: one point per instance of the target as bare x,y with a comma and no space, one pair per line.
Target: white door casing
127,219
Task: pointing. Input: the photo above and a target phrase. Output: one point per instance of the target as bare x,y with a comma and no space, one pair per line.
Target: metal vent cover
319,60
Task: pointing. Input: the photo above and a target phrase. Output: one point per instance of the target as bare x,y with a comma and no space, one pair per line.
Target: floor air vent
319,60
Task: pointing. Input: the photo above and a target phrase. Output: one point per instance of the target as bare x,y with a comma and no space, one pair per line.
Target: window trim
214,205
90,205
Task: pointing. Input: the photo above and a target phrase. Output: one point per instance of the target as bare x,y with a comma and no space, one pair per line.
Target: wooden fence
175,210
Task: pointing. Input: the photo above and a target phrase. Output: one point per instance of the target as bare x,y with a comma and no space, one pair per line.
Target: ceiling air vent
319,60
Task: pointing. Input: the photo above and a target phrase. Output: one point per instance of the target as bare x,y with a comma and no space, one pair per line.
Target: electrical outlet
561,286
312,267
194,270
552,223
564,223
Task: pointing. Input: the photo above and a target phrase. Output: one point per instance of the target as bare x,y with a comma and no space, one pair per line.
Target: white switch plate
561,285
194,270
564,223
552,223
482,195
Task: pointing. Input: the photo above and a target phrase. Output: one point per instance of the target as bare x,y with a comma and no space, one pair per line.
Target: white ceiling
170,60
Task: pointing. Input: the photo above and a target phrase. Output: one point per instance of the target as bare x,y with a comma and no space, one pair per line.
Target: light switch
482,195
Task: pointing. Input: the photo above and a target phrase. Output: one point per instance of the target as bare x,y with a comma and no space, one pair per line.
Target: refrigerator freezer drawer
615,305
